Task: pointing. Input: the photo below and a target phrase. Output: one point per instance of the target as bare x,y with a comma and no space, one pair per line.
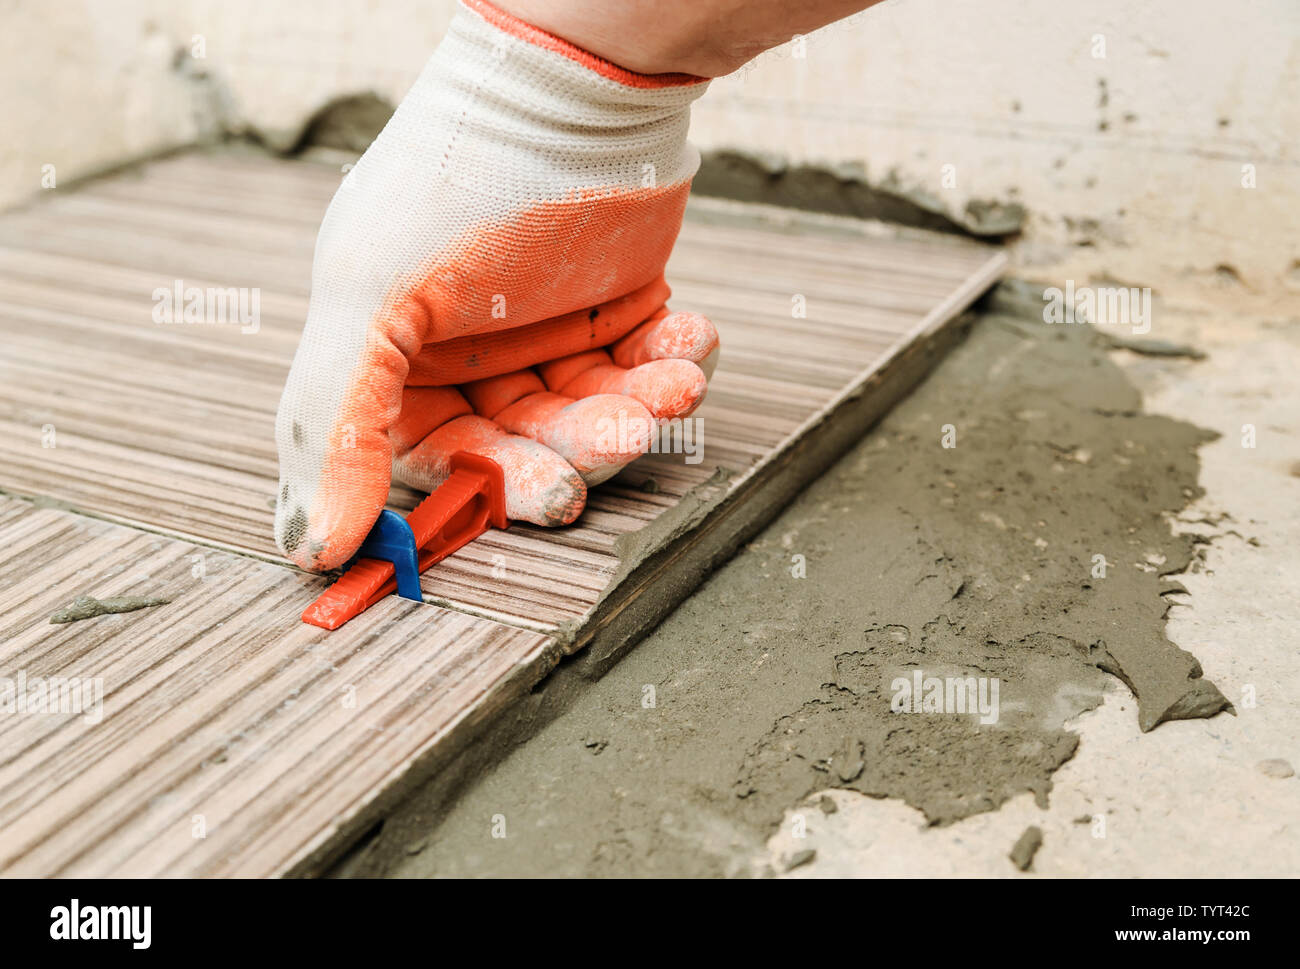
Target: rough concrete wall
1126,128
1111,122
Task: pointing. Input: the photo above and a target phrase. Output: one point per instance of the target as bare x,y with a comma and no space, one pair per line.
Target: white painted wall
1148,178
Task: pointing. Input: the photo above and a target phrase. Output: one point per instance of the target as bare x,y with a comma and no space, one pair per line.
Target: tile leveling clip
397,550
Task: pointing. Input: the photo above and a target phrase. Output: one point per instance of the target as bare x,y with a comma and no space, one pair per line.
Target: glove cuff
521,30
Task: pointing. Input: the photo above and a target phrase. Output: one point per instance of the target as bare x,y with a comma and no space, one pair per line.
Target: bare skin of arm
707,38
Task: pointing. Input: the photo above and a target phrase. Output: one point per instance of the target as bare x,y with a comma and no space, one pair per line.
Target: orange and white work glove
490,277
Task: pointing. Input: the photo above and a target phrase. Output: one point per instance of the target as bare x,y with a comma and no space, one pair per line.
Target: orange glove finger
665,363
670,336
424,410
597,436
477,356
540,485
668,388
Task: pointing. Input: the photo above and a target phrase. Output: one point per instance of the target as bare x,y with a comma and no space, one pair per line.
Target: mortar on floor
763,687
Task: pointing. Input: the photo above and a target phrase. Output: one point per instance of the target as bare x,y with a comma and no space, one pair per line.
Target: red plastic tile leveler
397,550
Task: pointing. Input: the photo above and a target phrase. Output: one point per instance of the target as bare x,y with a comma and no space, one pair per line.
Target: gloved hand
516,213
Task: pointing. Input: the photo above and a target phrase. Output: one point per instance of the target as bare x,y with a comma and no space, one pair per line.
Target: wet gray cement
88,607
1026,846
765,687
849,190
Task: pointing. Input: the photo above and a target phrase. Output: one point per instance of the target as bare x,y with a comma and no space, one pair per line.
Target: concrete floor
1193,797
1197,797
